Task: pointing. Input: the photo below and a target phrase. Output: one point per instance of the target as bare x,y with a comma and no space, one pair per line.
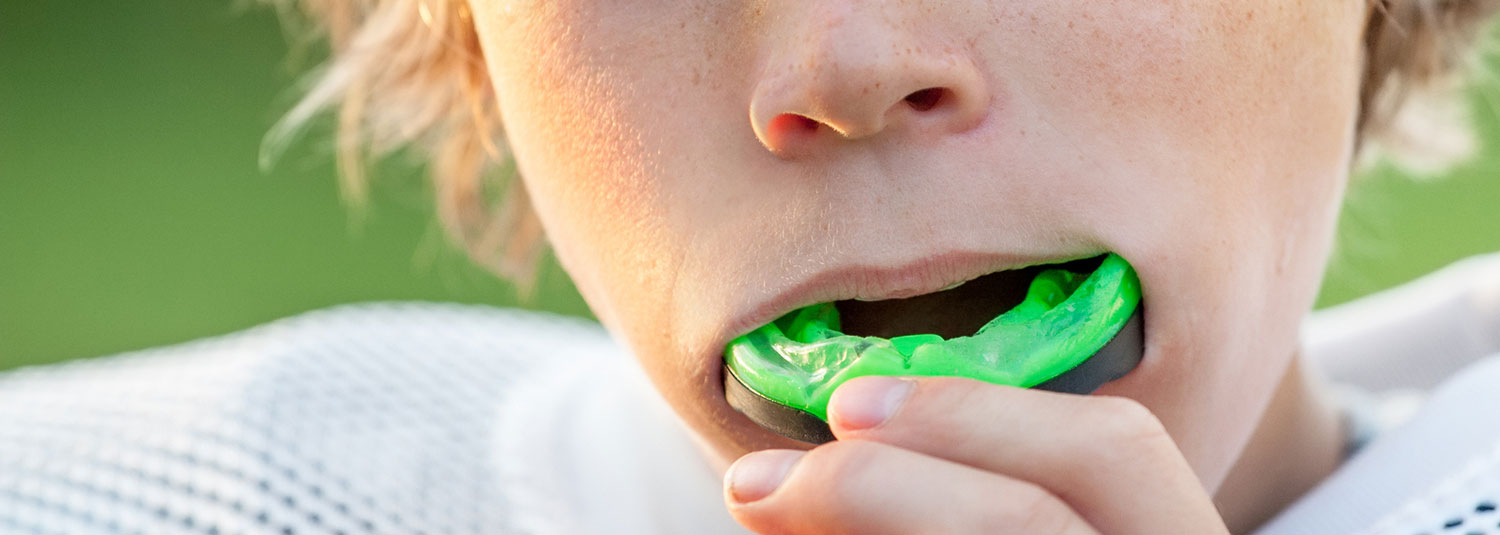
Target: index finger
1107,457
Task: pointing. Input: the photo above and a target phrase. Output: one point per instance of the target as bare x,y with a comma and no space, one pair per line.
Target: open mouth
1067,327
951,313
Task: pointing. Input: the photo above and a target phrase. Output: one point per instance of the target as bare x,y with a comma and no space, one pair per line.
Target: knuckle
1128,417
1130,429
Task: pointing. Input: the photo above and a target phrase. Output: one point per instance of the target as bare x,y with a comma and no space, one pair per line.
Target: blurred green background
133,213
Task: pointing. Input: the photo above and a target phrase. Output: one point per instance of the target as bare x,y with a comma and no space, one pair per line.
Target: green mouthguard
799,360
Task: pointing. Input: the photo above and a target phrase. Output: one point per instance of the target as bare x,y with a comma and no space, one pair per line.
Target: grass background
133,212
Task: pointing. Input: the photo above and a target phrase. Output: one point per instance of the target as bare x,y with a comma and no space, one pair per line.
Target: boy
702,167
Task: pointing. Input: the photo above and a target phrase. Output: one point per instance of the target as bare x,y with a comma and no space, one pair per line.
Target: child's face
1205,141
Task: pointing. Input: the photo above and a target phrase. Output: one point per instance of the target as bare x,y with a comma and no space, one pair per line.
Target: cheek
562,74
628,121
1226,129
1235,127
597,113
1221,85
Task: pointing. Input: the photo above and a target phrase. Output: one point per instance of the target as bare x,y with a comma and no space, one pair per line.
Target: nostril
791,122
789,134
925,99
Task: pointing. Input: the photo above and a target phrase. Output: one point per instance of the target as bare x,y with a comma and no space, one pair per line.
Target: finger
1108,458
868,488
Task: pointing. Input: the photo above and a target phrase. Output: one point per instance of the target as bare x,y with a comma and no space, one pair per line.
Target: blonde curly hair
409,74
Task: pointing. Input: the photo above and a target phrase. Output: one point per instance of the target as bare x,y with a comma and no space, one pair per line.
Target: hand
951,455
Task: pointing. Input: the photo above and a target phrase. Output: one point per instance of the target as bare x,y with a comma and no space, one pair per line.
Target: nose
853,70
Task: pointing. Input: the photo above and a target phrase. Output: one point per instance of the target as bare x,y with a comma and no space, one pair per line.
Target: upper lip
921,276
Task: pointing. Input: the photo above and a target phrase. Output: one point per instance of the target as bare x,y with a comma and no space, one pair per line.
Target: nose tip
837,93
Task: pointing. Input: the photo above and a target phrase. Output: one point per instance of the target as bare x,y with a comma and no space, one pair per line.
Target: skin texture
703,166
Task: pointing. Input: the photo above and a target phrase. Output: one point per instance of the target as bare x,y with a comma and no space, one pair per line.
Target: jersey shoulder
1439,472
374,418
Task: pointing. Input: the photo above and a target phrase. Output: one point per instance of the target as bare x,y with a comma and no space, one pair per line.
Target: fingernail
867,402
757,475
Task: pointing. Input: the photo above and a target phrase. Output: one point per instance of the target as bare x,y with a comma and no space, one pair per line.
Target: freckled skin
1207,142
